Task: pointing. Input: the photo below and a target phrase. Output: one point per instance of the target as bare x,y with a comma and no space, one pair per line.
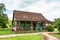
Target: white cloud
17,4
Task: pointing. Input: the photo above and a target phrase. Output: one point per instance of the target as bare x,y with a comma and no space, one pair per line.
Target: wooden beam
31,26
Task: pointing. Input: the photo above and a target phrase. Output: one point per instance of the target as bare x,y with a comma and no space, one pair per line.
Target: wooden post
18,28
31,26
37,26
44,25
25,25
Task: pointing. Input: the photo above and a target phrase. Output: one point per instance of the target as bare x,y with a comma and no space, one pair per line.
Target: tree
2,8
3,16
57,23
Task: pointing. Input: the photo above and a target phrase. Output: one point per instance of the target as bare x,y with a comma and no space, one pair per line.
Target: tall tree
3,16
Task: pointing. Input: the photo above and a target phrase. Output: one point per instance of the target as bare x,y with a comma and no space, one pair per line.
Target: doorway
34,26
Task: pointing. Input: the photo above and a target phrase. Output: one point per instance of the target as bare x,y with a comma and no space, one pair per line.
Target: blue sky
49,8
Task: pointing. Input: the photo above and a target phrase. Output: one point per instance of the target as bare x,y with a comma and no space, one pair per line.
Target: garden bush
50,28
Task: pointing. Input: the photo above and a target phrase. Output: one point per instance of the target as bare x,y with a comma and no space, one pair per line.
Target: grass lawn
28,37
57,35
5,31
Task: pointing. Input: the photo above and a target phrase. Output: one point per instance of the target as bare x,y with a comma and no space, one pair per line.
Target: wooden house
29,21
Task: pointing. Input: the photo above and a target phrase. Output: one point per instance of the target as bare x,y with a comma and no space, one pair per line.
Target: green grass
5,31
28,37
57,35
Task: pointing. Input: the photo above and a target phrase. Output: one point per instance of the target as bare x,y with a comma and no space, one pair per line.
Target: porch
29,25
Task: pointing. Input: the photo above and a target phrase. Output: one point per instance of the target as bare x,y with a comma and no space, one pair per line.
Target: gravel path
49,37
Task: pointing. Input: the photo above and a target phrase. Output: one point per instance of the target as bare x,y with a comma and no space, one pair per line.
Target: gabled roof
28,16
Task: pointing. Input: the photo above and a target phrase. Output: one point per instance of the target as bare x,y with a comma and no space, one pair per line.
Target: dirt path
49,37
13,35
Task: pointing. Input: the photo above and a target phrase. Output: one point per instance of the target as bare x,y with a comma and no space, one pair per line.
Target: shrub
59,29
50,28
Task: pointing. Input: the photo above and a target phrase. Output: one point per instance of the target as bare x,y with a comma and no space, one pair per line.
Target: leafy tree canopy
57,22
3,16
2,8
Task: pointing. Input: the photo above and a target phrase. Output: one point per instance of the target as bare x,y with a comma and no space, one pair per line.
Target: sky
50,9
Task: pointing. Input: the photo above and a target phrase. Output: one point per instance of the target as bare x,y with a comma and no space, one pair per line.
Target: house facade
29,21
